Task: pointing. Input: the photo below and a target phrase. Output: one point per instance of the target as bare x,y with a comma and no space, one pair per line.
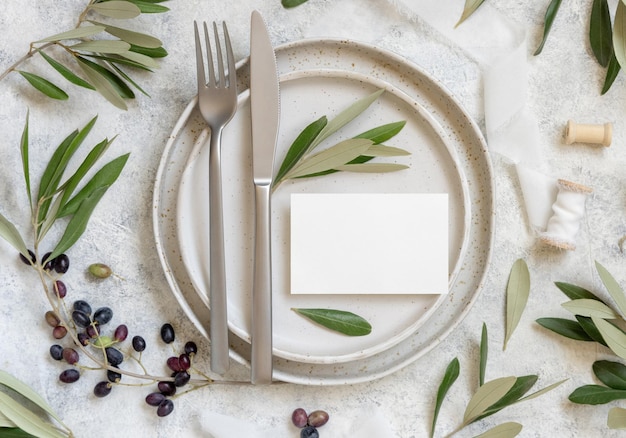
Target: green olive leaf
123,75
616,418
78,33
590,328
118,84
522,385
517,292
542,391
9,232
330,158
27,420
371,168
484,353
141,59
159,52
575,292
102,83
613,287
619,34
612,374
383,133
551,12
469,8
590,308
378,150
103,46
116,9
340,321
449,377
487,395
25,390
611,73
601,32
44,85
565,327
596,395
66,72
149,7
25,161
292,3
504,430
614,337
132,37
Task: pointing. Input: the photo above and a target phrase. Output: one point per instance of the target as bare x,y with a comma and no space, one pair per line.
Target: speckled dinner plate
447,156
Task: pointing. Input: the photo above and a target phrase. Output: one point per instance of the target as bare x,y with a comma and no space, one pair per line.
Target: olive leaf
484,353
614,337
383,133
616,418
78,33
292,3
612,374
574,292
522,385
551,12
340,321
517,292
370,167
102,84
102,46
590,328
596,395
44,85
590,308
119,86
27,420
613,287
378,150
130,36
149,6
469,8
619,34
9,232
449,377
601,32
565,327
25,160
66,72
117,9
504,430
487,395
159,52
611,73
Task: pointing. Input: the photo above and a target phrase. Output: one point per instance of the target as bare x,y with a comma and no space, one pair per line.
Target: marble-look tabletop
564,83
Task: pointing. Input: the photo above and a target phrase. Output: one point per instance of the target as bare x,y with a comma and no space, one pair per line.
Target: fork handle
261,334
217,270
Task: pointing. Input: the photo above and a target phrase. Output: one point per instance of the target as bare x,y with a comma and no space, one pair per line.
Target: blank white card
369,243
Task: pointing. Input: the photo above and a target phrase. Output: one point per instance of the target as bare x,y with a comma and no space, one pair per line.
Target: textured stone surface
564,83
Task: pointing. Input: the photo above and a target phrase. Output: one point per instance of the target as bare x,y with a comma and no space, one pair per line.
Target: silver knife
265,114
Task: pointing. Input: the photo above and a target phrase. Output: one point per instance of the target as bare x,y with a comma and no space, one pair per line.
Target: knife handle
217,271
261,334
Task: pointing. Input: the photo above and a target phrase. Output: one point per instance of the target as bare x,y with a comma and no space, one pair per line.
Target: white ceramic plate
305,96
440,121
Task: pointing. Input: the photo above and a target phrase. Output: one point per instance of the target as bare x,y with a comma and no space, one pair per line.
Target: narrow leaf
148,7
517,291
25,390
103,86
611,73
378,150
484,353
78,33
383,133
449,377
14,432
103,46
371,168
141,59
504,430
487,395
113,60
469,8
619,34
575,292
117,9
127,78
330,158
292,3
613,287
596,395
9,233
565,327
119,86
612,374
587,307
104,178
346,116
25,161
159,52
600,32
613,336
522,385
44,85
340,321
590,328
551,12
299,147
542,391
27,420
132,37
66,72
616,418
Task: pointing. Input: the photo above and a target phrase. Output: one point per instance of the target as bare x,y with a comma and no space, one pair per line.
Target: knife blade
265,114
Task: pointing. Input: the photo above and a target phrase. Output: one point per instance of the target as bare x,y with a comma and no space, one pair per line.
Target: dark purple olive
155,398
114,356
167,388
191,348
32,260
121,333
48,264
70,355
167,333
59,332
61,263
59,289
82,306
113,376
184,362
309,432
139,344
181,378
102,389
103,315
69,376
81,318
165,408
299,417
56,351
173,363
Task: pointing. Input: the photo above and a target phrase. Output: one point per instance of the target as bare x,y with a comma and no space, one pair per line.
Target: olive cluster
308,423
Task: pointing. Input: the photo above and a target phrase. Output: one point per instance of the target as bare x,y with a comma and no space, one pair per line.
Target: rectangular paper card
369,243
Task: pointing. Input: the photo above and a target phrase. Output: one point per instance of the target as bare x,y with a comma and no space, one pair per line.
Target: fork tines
219,78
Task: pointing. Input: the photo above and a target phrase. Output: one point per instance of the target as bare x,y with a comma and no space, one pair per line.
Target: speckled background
564,83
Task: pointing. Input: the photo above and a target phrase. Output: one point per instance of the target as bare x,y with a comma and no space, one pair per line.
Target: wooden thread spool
569,209
594,134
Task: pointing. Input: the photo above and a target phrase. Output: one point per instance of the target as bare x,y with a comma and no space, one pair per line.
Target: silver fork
217,100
